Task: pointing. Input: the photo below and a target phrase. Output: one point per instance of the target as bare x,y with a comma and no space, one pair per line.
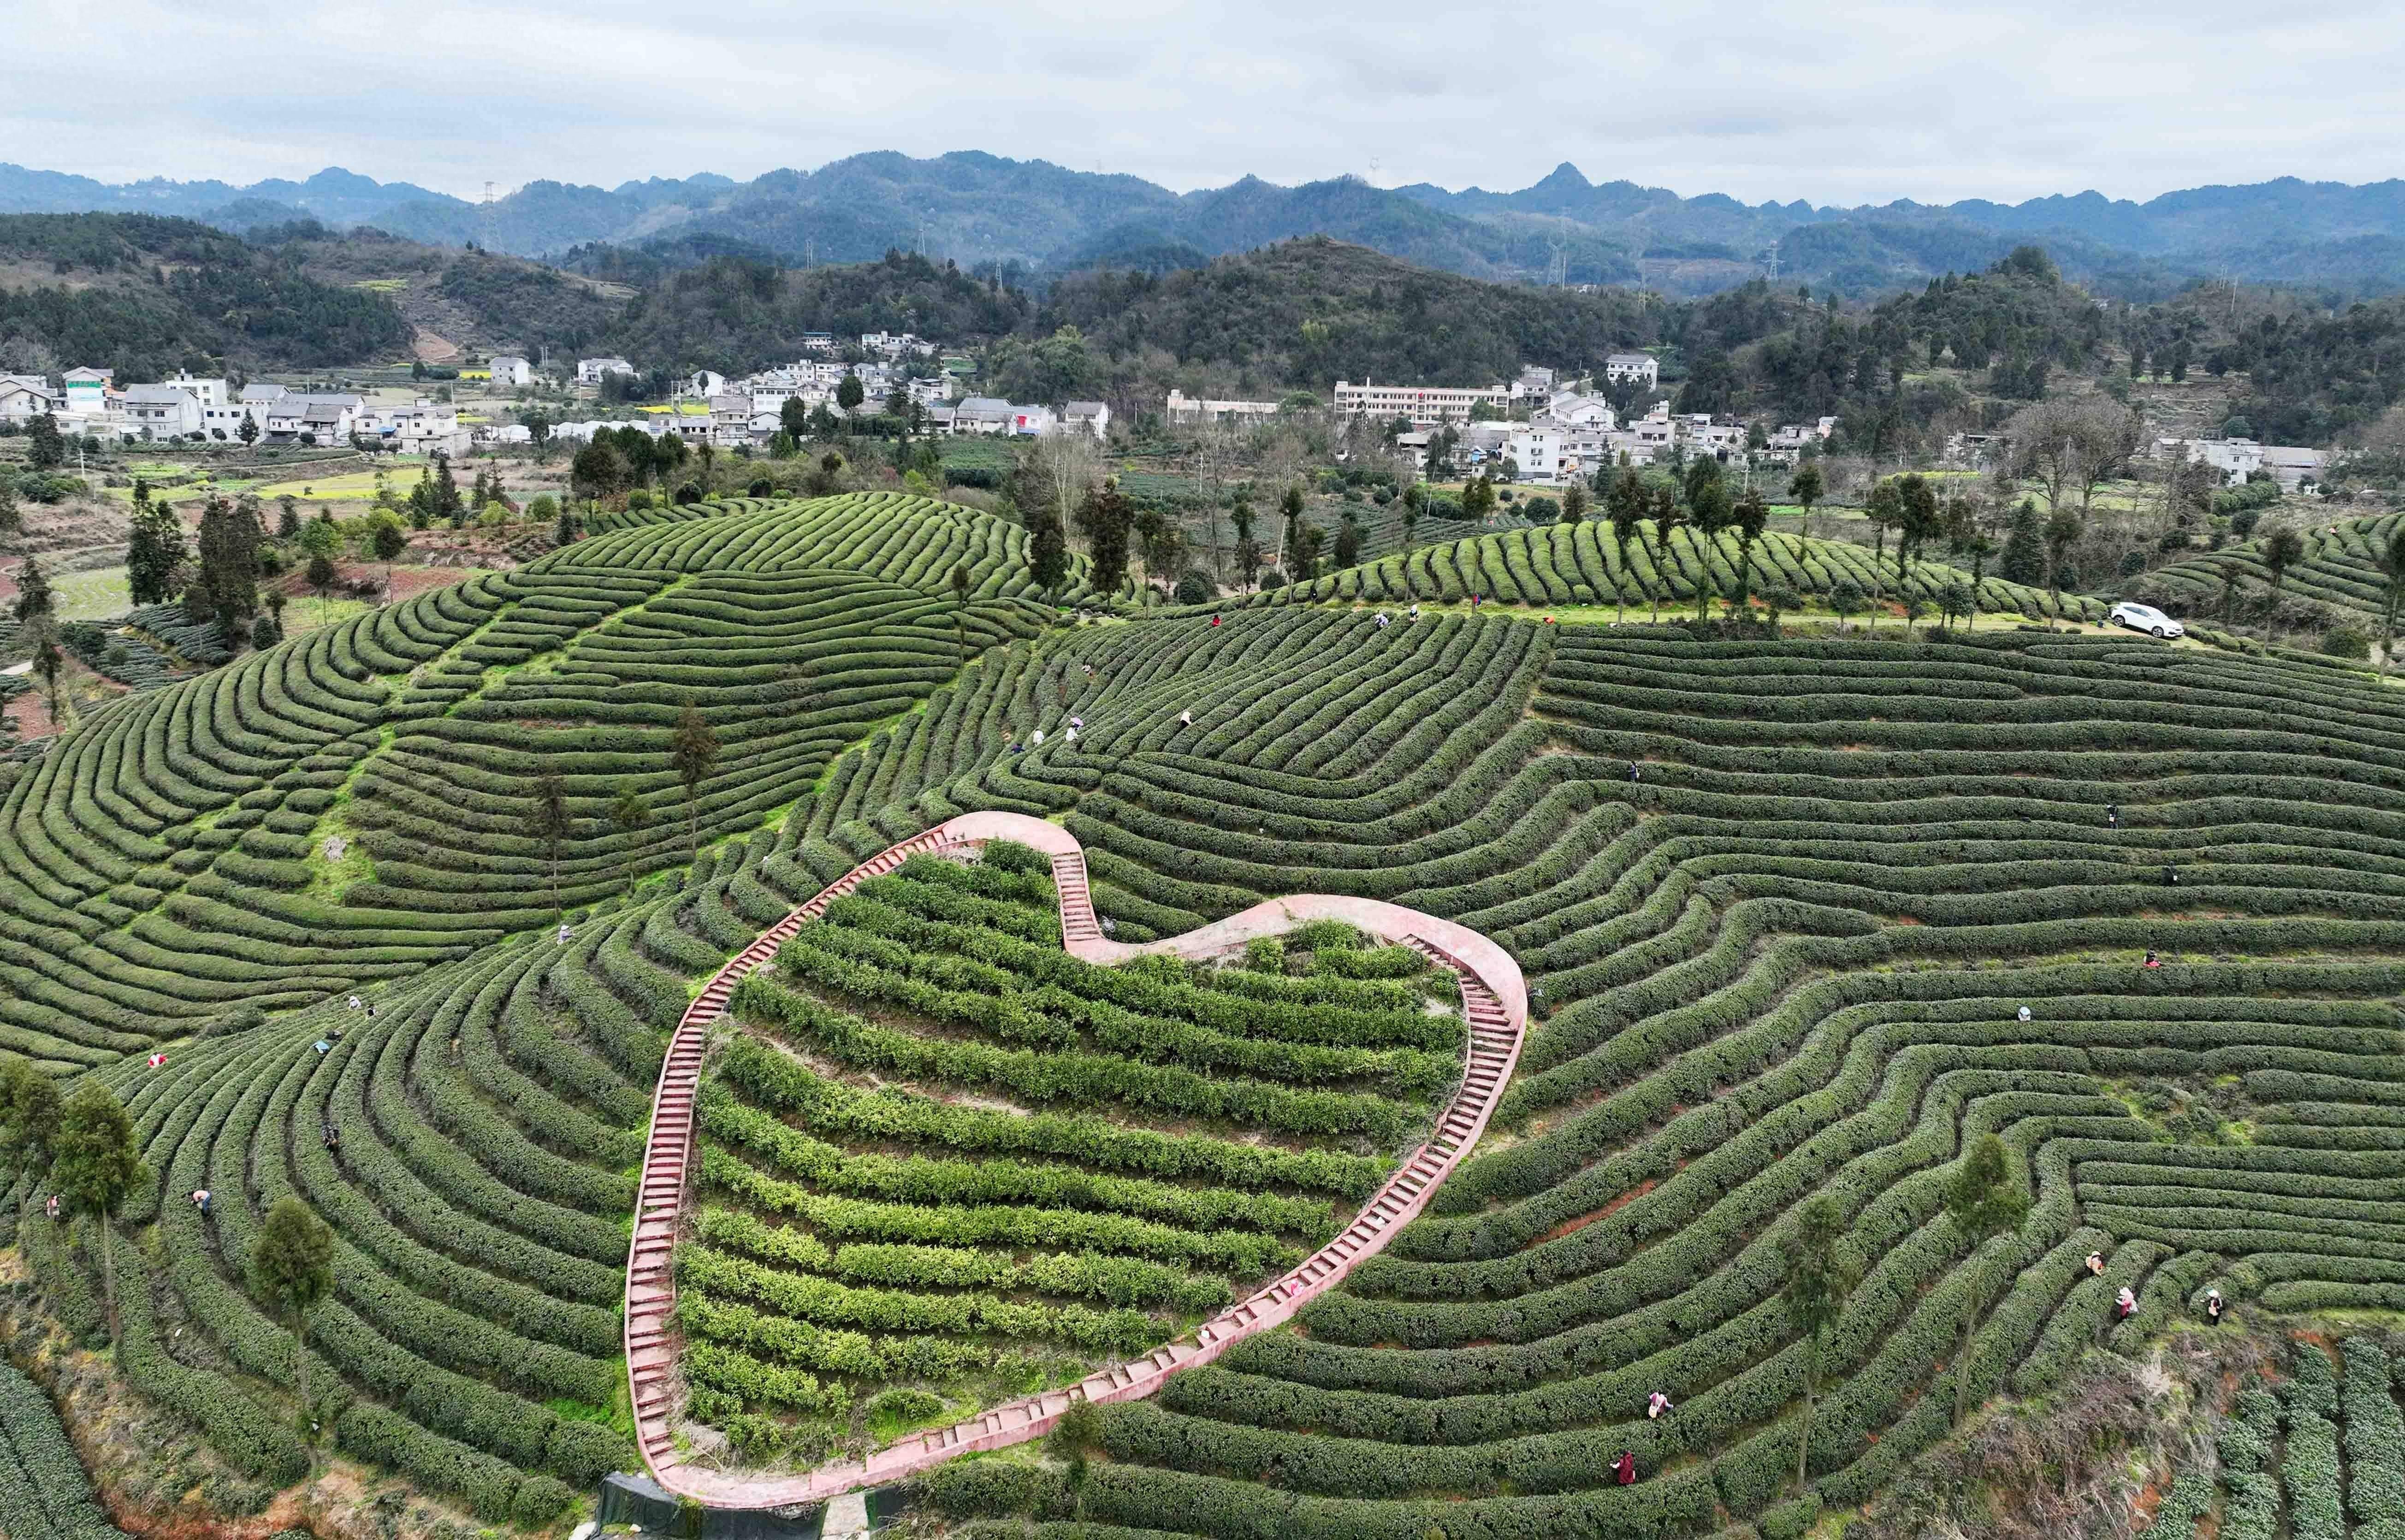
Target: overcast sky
1836,104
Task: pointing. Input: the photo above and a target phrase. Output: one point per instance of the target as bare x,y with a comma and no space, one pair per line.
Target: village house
1182,408
510,371
2239,459
982,414
1637,368
589,371
1786,441
24,396
1092,417
426,427
155,413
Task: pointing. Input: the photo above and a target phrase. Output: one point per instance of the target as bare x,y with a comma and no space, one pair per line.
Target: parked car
2146,618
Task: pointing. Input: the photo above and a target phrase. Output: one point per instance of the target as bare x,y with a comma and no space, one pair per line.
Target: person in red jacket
1623,1469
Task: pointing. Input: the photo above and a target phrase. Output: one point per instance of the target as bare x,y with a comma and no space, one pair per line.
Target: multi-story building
1542,456
730,418
208,392
590,371
426,427
511,371
1092,417
1420,405
88,395
1640,368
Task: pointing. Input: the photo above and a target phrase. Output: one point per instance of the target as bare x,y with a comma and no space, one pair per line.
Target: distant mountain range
980,209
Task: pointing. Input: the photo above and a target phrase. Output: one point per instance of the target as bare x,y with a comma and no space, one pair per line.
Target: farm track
1494,1003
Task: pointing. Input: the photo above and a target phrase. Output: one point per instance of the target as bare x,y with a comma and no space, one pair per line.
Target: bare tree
2106,434
2050,446
1069,467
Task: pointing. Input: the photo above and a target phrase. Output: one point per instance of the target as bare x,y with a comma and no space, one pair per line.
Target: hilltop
145,295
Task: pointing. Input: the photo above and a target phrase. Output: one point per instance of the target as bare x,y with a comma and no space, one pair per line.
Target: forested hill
145,296
1305,312
734,313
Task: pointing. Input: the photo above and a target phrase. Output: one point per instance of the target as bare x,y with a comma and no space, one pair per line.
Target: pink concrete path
1493,1002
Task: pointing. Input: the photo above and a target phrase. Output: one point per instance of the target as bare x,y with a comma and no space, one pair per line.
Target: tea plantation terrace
1779,905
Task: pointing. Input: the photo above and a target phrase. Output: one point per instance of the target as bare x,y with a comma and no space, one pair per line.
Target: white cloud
1758,100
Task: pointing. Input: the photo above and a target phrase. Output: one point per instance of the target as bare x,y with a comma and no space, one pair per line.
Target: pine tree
1806,487
49,667
446,503
48,450
30,1110
2024,560
35,607
155,550
1106,518
1347,549
227,589
628,814
1048,550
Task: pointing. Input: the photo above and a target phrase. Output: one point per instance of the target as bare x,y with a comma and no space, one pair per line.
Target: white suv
2146,618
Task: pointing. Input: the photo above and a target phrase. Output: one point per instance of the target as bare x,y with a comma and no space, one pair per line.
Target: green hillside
2340,568
145,295
1779,903
1561,565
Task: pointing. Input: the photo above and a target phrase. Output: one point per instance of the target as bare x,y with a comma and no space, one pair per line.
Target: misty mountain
981,210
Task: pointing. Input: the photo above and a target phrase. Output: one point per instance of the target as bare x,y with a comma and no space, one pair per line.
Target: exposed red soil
1571,1226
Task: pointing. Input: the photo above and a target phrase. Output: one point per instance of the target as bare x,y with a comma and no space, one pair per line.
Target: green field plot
98,595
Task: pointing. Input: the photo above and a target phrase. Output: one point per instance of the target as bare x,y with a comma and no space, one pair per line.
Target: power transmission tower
485,219
1774,261
1557,271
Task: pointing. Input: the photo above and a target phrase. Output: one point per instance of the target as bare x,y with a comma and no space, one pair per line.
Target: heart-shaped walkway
1493,1002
